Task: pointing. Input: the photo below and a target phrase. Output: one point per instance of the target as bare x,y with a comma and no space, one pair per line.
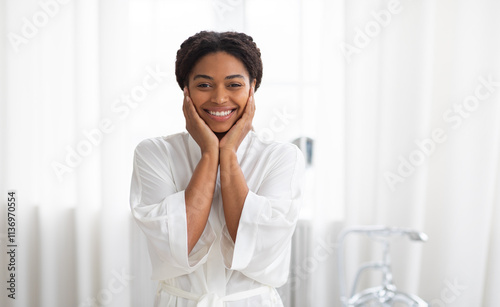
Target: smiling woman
218,206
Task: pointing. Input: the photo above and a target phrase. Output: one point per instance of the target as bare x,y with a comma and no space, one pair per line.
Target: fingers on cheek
252,109
190,108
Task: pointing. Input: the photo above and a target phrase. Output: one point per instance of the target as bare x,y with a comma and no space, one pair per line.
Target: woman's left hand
233,138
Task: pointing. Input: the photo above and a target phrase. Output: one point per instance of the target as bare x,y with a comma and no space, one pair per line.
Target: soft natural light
395,105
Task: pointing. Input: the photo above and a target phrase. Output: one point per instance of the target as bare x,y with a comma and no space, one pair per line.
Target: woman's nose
219,96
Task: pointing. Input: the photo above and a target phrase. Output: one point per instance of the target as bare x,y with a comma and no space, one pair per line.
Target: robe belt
212,299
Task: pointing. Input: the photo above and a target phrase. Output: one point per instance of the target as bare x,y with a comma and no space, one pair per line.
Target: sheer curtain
400,97
422,140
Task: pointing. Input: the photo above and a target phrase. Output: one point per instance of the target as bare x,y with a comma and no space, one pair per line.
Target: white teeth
223,113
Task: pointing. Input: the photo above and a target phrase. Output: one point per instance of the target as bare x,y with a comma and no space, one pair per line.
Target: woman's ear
253,84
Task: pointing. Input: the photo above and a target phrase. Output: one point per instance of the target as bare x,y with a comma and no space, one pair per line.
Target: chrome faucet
386,294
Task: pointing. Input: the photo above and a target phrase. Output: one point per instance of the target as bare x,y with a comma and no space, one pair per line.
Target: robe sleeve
263,241
159,209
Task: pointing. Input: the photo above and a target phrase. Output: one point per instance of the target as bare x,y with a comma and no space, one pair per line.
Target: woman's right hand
198,129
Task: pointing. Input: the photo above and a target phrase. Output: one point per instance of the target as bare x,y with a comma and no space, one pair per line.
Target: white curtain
423,137
401,99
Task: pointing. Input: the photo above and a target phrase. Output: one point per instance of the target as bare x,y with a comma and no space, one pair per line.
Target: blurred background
396,102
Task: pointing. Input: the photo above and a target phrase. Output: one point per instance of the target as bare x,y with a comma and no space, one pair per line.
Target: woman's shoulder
162,144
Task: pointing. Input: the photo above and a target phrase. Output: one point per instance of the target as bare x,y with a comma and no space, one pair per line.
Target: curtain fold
400,97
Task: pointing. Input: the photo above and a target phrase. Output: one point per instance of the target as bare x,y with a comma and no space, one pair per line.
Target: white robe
218,271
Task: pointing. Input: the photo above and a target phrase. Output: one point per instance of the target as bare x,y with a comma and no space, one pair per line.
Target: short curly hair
236,44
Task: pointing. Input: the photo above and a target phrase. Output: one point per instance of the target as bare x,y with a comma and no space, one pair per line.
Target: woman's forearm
198,195
234,190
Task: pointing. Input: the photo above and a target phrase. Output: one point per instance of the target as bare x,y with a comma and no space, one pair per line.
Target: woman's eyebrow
202,76
234,76
211,78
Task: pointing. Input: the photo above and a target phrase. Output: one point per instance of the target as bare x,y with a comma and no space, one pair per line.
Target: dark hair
239,45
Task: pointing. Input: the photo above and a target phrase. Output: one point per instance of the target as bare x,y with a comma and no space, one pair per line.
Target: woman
218,206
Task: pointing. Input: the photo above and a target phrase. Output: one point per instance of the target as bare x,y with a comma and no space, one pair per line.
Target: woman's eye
234,85
204,85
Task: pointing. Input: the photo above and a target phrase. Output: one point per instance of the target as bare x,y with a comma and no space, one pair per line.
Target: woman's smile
221,114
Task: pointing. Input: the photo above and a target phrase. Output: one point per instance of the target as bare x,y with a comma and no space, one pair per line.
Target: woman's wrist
227,153
210,154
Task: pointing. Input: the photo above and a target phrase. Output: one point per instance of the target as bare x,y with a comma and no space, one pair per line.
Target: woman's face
219,86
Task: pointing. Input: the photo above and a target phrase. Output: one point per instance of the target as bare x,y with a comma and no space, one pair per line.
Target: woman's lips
221,115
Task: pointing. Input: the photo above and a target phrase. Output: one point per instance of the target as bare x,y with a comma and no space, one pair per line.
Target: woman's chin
220,129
